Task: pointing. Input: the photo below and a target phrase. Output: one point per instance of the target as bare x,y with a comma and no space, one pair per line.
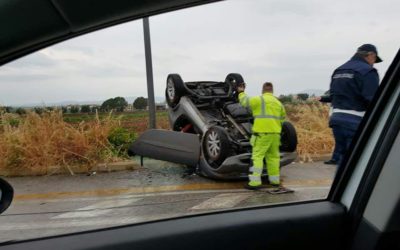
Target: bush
120,138
38,110
303,96
74,110
6,109
20,111
85,109
10,120
285,98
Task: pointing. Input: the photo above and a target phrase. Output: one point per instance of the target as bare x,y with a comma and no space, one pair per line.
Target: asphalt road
54,205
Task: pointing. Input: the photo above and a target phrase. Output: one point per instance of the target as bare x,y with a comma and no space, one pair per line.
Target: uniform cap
370,48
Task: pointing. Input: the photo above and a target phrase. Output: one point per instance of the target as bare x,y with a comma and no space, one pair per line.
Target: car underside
211,110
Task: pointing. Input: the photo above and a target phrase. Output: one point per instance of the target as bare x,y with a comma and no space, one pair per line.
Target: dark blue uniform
353,85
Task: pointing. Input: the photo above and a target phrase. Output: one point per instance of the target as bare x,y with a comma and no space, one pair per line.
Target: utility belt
351,112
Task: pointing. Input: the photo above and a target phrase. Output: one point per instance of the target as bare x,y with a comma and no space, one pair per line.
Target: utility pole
149,73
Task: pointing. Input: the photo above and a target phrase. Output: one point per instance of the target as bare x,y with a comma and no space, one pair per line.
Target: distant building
129,108
161,106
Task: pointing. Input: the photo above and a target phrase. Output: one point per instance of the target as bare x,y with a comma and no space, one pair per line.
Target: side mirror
6,195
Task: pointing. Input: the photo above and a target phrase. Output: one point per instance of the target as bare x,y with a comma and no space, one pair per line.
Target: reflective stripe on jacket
268,112
353,85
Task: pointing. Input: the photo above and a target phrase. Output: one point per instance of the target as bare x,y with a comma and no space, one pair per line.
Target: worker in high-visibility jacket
269,114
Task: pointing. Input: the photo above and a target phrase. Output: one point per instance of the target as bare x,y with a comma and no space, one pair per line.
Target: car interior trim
305,226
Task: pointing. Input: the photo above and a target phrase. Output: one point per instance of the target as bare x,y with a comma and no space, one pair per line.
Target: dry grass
39,142
314,135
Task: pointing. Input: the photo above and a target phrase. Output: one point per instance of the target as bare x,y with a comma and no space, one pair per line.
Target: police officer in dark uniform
353,85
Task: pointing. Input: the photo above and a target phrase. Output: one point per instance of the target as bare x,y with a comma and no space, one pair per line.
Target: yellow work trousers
265,146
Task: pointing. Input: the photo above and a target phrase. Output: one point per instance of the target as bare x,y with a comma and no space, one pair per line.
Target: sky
294,44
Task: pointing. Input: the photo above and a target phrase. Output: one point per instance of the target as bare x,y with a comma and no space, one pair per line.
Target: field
52,139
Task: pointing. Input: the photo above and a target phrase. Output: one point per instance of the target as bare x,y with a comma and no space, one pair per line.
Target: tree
6,109
303,96
140,103
94,109
85,109
64,110
117,103
20,111
286,98
74,109
38,110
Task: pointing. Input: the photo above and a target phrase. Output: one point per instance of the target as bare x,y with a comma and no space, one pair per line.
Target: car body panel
168,146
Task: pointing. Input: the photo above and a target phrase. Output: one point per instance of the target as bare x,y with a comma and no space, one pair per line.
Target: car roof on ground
27,26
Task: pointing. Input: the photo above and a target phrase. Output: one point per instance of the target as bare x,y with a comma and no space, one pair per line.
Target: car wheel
288,137
233,79
216,146
175,89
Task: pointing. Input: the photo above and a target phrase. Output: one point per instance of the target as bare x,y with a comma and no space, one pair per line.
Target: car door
361,211
167,145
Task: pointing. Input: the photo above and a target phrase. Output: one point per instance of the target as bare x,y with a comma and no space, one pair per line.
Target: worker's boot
331,162
279,189
247,186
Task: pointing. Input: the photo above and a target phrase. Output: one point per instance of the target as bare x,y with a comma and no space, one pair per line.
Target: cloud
295,44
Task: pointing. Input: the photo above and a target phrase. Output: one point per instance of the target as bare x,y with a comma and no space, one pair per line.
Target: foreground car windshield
93,137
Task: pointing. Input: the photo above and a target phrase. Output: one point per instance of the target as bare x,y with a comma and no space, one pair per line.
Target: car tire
234,79
174,90
216,146
288,137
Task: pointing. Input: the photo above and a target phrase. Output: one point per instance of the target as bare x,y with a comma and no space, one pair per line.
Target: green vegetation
117,104
85,109
140,103
120,138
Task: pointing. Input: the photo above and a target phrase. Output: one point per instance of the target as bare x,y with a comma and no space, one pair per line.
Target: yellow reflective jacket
268,112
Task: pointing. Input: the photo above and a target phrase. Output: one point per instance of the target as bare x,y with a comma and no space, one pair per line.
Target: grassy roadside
41,143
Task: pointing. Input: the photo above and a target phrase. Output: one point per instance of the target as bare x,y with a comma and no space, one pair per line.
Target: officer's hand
317,98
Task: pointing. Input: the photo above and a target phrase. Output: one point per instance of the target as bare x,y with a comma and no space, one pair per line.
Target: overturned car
211,130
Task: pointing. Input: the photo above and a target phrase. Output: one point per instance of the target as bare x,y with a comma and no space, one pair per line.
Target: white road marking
222,201
96,209
81,214
299,188
110,204
94,222
134,196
